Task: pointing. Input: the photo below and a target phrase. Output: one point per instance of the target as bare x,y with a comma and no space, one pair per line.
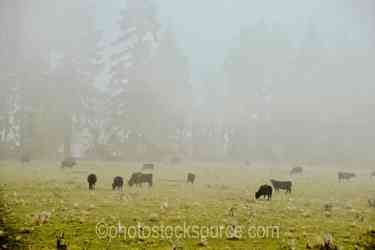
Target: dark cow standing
264,190
284,185
139,178
190,178
372,175
345,176
118,183
91,179
68,162
296,170
148,166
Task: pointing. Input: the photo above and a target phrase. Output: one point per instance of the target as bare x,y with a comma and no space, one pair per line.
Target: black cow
264,190
148,166
68,162
190,178
284,185
345,176
91,179
139,178
372,175
118,183
296,170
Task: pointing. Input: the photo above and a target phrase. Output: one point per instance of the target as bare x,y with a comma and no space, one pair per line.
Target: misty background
199,80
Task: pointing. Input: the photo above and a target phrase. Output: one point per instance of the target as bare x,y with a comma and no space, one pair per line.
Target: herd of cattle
266,190
139,178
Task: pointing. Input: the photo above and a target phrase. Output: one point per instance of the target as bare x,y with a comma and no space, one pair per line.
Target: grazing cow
68,162
264,190
296,170
139,178
118,183
285,185
345,176
134,179
190,178
91,179
372,175
148,166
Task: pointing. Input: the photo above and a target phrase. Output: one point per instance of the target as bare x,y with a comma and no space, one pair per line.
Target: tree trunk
68,134
22,131
6,129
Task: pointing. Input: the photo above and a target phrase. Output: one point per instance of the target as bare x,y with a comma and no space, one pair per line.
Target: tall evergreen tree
132,100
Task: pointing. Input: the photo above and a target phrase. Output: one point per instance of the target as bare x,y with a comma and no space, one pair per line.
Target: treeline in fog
67,90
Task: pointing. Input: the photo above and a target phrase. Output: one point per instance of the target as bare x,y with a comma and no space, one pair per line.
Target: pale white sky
206,29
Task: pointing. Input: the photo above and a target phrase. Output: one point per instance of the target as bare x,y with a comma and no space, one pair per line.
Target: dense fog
198,80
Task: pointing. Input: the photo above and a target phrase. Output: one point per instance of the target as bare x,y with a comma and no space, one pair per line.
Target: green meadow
41,200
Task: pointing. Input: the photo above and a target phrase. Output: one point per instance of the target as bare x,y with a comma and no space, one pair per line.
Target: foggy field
244,97
318,206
